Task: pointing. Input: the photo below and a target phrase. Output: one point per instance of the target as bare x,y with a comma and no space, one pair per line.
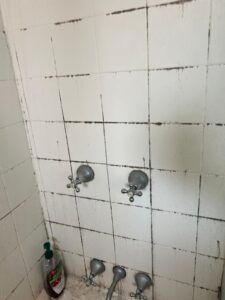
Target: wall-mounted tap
137,181
143,282
97,267
119,274
84,174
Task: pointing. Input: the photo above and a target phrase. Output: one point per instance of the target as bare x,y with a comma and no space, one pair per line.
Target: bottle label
56,279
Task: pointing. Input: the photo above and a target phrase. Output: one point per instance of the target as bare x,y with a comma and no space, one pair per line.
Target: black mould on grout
118,12
68,21
178,2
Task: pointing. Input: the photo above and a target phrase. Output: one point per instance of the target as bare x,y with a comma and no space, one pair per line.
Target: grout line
202,152
149,150
69,154
122,71
165,123
108,180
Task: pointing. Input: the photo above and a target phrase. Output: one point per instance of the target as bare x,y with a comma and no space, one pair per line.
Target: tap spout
119,274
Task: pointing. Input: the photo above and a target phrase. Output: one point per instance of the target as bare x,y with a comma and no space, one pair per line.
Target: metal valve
132,192
84,174
138,180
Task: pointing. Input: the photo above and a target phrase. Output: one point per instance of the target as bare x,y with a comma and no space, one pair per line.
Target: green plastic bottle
54,275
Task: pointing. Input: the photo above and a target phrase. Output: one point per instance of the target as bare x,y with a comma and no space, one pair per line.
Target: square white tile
33,13
168,289
97,188
12,271
58,11
208,272
6,71
211,238
54,176
174,230
10,153
134,254
125,96
36,278
80,98
8,237
32,246
212,202
23,291
95,215
74,264
62,209
214,150
72,57
174,264
5,208
35,54
128,220
118,179
107,6
67,238
215,91
42,98
175,191
20,183
9,99
127,144
202,294
182,144
98,245
217,41
50,140
172,29
122,41
28,216
91,142
177,95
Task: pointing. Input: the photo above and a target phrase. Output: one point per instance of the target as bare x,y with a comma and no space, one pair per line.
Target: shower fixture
143,282
119,274
97,267
137,181
84,174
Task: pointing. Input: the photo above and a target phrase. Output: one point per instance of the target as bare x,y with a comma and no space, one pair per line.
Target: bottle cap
48,252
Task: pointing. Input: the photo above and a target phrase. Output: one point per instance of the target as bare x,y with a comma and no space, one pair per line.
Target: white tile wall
20,208
181,92
215,101
43,99
62,209
182,144
211,238
134,254
175,230
114,76
214,145
177,192
76,98
168,289
127,144
91,142
174,264
132,222
178,35
212,197
208,272
75,58
91,211
217,44
125,96
119,35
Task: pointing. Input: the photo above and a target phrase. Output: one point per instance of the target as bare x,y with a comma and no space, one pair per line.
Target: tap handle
132,192
74,183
